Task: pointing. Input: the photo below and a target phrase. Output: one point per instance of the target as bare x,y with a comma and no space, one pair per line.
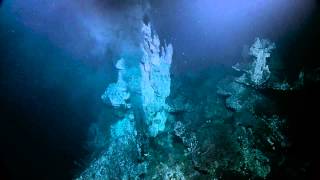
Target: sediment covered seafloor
139,89
222,123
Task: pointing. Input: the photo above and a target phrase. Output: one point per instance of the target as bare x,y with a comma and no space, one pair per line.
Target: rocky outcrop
141,88
257,73
155,80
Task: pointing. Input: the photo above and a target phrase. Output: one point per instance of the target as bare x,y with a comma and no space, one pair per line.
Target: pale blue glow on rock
118,93
257,72
155,81
261,50
147,80
124,130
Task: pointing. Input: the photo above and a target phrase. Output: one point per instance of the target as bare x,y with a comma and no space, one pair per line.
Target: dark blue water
49,98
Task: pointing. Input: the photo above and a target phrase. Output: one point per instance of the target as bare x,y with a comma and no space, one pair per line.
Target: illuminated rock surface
143,88
155,80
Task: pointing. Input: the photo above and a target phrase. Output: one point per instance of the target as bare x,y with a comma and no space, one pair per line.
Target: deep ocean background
49,98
